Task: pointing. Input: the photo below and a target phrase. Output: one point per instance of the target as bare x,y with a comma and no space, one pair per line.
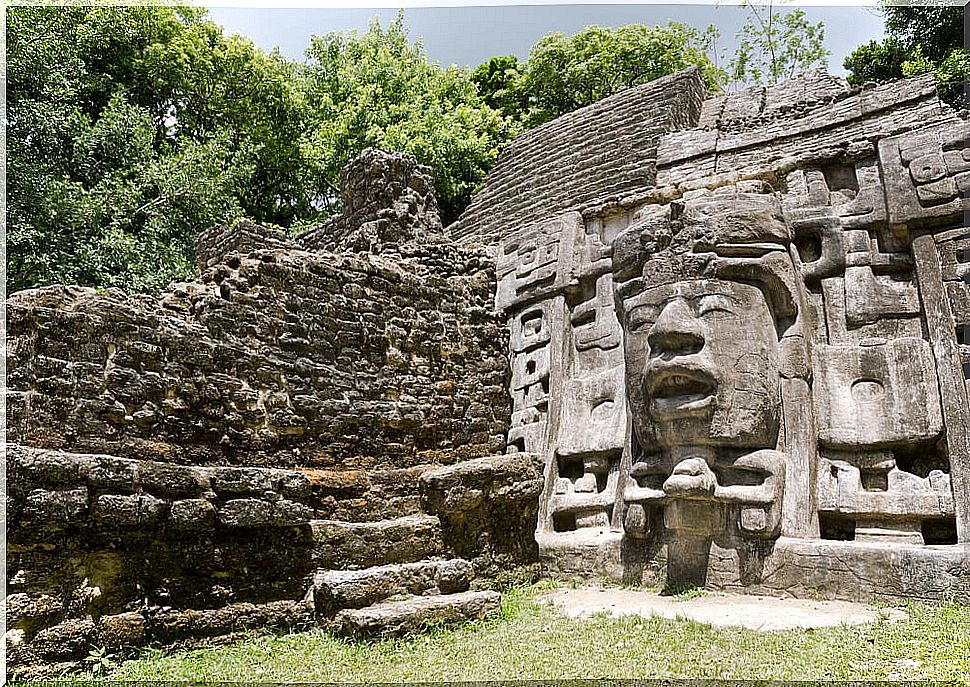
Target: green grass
530,641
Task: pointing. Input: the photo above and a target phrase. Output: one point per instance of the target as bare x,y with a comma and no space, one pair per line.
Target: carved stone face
702,365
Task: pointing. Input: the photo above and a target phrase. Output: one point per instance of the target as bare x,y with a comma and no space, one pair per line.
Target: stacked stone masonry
188,466
606,149
723,338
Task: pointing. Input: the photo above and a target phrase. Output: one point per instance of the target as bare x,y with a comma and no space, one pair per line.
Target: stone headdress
729,234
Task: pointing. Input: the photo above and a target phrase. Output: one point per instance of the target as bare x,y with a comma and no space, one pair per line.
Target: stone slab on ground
395,618
337,589
763,613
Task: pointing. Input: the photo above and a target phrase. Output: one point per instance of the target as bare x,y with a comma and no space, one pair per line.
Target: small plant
100,661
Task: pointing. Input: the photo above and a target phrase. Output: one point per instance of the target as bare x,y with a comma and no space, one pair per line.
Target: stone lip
763,613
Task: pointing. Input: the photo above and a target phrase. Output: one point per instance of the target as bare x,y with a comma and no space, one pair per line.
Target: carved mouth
680,391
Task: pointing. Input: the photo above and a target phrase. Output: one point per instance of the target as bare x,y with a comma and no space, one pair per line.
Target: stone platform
763,613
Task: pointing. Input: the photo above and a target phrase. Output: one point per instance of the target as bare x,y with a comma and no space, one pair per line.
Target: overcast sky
470,35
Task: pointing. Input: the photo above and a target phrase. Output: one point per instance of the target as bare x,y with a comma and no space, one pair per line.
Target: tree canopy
378,89
130,129
775,45
921,39
564,73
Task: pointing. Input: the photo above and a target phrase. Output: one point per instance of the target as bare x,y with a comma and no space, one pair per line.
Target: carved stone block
876,395
926,172
537,261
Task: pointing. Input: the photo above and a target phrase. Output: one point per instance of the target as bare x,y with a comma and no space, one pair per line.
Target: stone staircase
392,579
398,575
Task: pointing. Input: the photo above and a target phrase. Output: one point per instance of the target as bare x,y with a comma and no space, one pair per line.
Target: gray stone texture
756,360
604,150
183,467
339,589
388,199
719,340
395,618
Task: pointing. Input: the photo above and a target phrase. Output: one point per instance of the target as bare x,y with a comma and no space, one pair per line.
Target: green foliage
100,662
378,89
921,39
531,641
499,84
936,26
129,130
875,61
564,73
774,46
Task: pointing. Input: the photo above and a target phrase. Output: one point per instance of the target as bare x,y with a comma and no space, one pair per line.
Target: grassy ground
531,641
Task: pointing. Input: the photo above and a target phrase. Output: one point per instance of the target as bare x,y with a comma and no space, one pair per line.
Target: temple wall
872,412
278,357
195,465
608,148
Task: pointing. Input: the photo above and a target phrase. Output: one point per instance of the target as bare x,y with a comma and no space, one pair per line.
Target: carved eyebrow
641,314
713,301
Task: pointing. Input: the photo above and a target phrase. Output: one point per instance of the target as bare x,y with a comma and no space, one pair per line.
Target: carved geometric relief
530,328
537,261
869,297
881,500
593,414
583,492
876,395
530,368
853,191
593,319
926,172
530,340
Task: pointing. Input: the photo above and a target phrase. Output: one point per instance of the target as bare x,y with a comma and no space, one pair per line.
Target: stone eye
641,318
720,305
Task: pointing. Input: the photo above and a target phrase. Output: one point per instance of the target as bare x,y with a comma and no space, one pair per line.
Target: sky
469,35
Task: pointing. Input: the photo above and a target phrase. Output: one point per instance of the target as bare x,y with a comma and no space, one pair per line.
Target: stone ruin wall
607,148
241,452
186,466
874,414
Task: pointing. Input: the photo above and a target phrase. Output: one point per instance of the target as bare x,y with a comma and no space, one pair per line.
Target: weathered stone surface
766,340
275,358
191,514
605,149
169,454
398,618
338,589
124,510
856,571
487,508
56,507
168,625
736,352
259,512
388,199
408,539
123,629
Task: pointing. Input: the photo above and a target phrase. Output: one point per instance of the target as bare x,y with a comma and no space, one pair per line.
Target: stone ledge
398,618
339,589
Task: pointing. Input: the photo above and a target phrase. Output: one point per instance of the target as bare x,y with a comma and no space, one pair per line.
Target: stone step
396,618
339,545
334,590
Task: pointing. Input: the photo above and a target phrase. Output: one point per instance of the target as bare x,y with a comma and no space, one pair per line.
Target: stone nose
677,331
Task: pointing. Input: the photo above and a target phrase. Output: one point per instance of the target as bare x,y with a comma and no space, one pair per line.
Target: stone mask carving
704,291
695,298
702,365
